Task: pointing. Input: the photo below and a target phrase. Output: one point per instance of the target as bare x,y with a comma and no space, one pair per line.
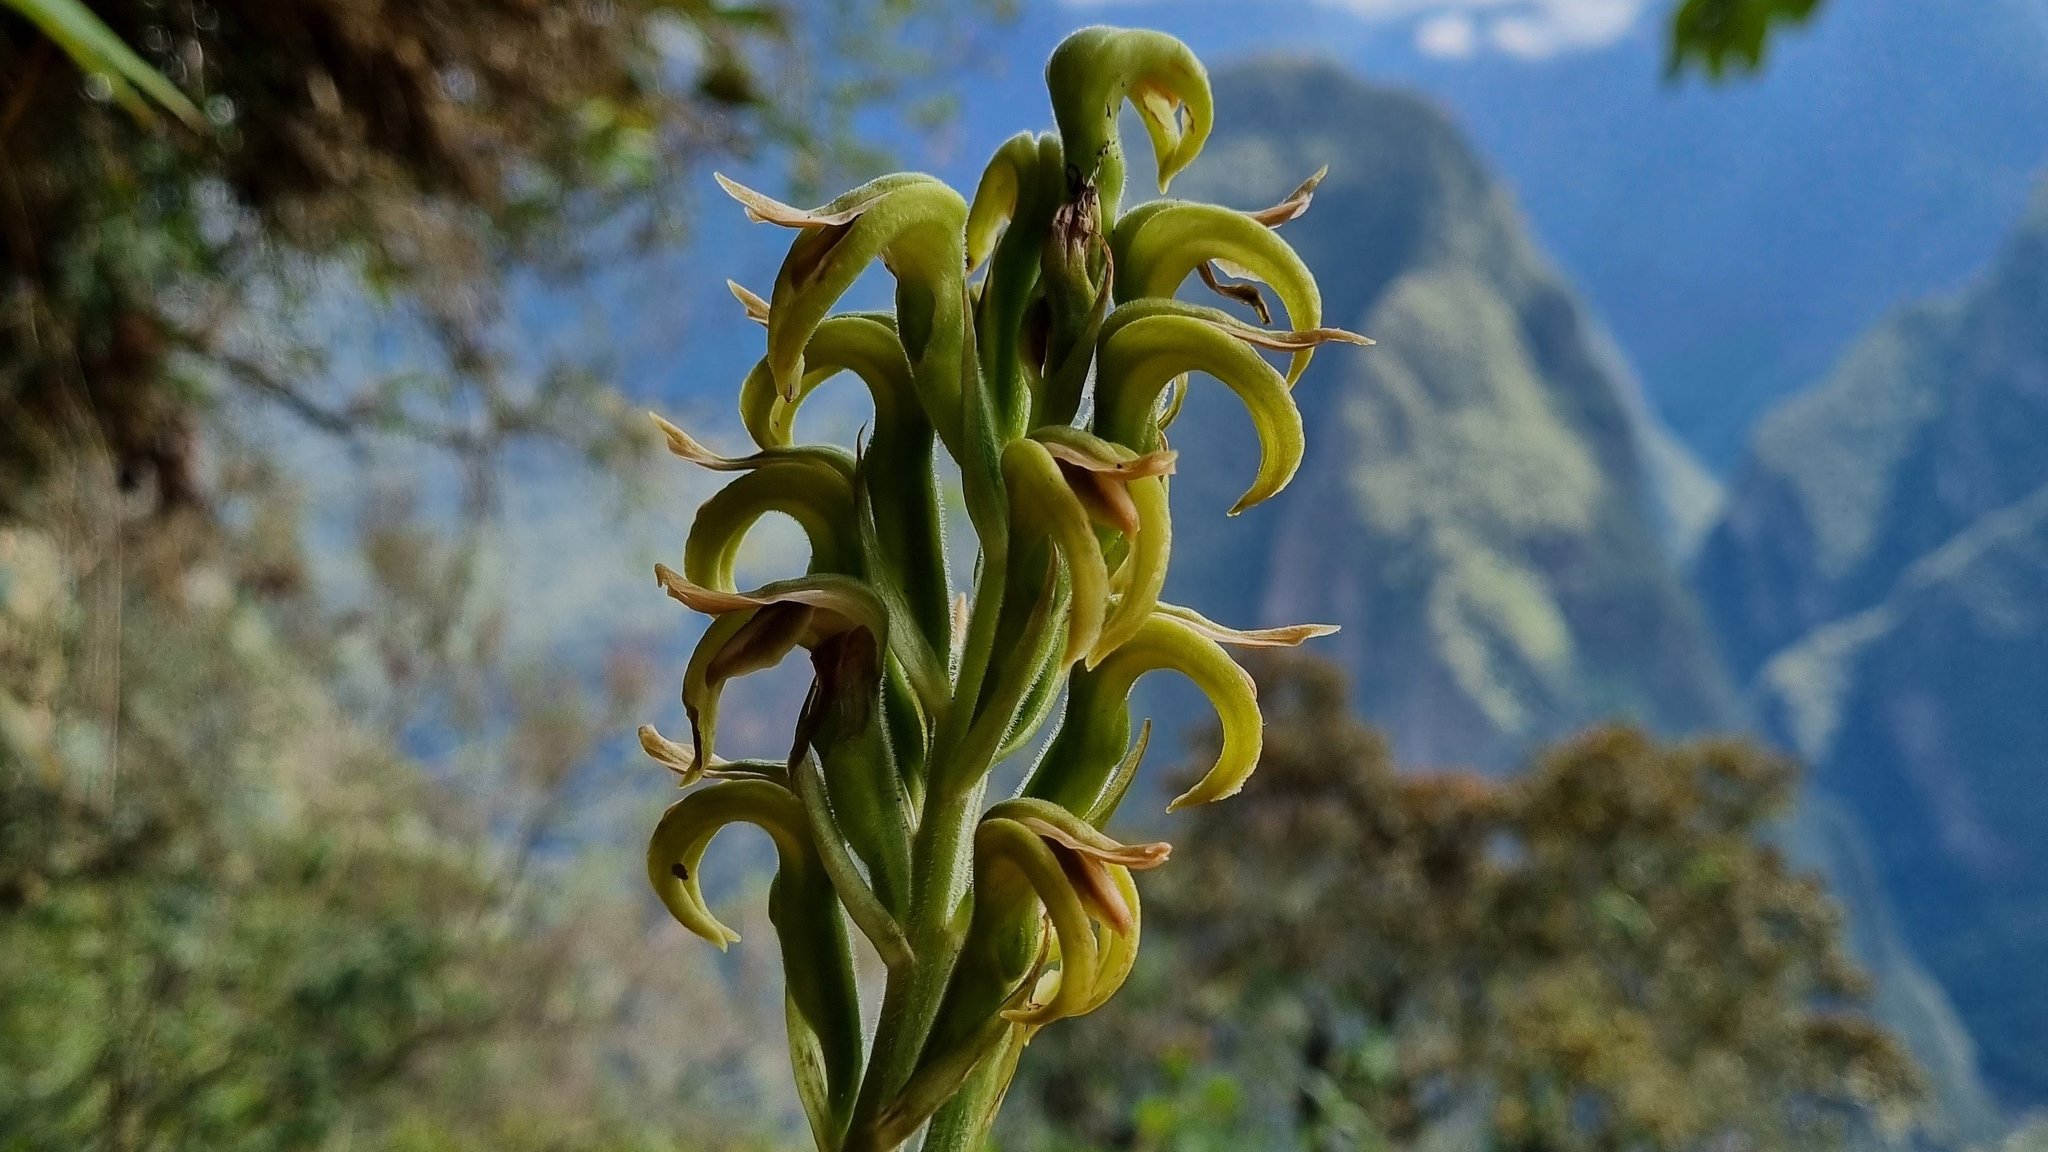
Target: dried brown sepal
688,447
762,208
1295,341
1095,845
1095,886
756,307
1286,636
1245,292
1294,205
680,759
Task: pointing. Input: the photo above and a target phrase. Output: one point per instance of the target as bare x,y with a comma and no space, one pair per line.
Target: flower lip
1086,855
767,636
1100,473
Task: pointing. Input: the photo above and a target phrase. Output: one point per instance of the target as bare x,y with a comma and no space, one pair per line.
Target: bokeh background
1710,399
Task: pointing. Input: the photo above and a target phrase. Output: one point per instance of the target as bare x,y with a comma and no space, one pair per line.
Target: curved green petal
835,602
1002,844
819,499
1083,764
1009,219
1040,497
862,343
1008,181
823,1002
1158,245
1141,356
1166,642
686,829
1092,73
916,226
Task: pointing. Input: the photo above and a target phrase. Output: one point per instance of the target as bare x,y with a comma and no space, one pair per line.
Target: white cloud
1455,29
1451,36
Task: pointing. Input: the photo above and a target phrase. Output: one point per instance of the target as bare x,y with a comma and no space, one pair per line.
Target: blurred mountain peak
1485,502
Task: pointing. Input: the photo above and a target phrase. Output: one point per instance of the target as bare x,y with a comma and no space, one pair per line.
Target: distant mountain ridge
1882,572
1486,506
1480,505
1933,420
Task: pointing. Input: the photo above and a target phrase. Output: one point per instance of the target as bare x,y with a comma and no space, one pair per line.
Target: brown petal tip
1287,636
1160,463
1099,846
688,447
1245,293
680,759
1294,205
762,208
757,308
698,598
1297,340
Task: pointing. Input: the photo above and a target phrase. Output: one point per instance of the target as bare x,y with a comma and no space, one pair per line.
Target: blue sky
1449,29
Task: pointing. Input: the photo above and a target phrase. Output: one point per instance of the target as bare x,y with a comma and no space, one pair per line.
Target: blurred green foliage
1720,36
233,916
423,154
104,56
1603,952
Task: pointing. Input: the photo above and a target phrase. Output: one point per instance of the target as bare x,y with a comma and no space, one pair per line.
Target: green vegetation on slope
1924,714
1878,570
232,919
1932,421
1603,952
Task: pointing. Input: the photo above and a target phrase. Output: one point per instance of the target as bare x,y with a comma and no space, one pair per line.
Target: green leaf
95,48
1719,35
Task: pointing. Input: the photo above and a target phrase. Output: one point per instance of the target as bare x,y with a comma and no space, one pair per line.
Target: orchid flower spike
1038,342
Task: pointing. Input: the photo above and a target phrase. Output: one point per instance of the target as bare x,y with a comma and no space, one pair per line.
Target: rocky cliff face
1482,506
1928,715
1882,572
1932,421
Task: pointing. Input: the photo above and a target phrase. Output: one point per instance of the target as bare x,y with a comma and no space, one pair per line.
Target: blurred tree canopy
235,916
1604,952
242,905
1717,36
427,149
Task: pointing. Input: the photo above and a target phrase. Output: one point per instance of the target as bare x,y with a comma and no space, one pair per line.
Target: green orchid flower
1037,340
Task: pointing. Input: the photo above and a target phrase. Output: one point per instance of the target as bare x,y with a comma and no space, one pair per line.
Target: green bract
1036,339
